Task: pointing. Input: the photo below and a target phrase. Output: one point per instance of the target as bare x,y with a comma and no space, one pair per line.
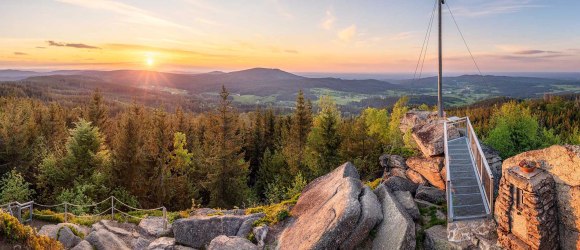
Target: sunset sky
369,36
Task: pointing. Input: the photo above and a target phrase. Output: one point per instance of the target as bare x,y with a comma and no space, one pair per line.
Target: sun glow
149,61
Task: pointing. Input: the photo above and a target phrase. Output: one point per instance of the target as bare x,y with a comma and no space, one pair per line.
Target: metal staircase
469,181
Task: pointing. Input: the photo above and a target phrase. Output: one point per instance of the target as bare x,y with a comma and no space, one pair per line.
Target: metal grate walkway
469,181
466,190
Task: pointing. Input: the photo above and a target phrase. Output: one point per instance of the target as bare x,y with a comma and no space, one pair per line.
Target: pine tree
158,145
270,130
255,145
98,113
300,126
226,169
128,152
324,140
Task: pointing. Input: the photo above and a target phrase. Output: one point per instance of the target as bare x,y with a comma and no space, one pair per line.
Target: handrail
447,174
481,166
481,160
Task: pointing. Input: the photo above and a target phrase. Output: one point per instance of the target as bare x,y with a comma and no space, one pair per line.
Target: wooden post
31,210
112,208
164,218
65,212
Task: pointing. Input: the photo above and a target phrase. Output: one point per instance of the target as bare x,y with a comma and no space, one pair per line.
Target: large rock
392,161
140,243
83,245
436,239
198,231
326,213
371,215
260,234
406,199
153,227
247,225
429,137
415,177
68,238
49,230
105,240
397,229
52,230
223,242
165,243
563,163
396,183
430,168
415,118
430,194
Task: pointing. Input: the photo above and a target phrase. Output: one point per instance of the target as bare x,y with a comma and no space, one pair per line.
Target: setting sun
149,61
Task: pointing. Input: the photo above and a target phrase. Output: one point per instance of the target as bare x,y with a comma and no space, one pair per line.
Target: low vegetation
15,234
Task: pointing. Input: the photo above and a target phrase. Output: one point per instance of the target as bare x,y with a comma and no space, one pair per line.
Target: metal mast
440,78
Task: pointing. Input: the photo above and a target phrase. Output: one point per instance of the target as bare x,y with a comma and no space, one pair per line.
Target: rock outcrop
396,183
198,231
104,240
430,194
153,227
436,239
416,118
563,163
371,215
326,213
68,238
429,137
223,242
397,229
430,168
407,201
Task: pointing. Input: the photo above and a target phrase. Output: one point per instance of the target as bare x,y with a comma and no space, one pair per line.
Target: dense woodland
53,152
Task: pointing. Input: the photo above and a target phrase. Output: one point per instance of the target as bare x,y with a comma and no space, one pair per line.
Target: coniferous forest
52,152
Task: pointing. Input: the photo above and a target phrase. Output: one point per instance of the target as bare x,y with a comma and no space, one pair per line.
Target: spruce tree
324,140
300,126
98,113
226,168
128,149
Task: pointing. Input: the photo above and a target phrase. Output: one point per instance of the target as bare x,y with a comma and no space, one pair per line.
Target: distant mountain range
283,86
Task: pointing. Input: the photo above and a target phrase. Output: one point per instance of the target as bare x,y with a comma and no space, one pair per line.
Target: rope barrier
138,209
91,205
66,213
128,214
48,206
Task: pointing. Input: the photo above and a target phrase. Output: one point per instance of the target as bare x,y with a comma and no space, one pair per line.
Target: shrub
14,188
374,184
13,232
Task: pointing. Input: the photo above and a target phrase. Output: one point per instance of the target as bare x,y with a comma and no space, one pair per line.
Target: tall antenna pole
440,78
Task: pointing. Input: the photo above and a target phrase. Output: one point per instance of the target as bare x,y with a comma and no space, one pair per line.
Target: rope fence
15,209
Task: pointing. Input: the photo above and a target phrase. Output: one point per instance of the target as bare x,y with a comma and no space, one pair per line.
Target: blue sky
299,35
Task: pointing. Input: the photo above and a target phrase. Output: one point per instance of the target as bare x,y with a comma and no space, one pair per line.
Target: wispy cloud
494,7
348,33
120,46
535,52
20,53
328,21
72,45
130,13
402,36
40,47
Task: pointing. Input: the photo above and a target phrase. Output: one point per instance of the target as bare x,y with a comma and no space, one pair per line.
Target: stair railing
484,174
483,171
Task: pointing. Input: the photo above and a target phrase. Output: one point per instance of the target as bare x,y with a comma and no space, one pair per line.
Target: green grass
274,212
